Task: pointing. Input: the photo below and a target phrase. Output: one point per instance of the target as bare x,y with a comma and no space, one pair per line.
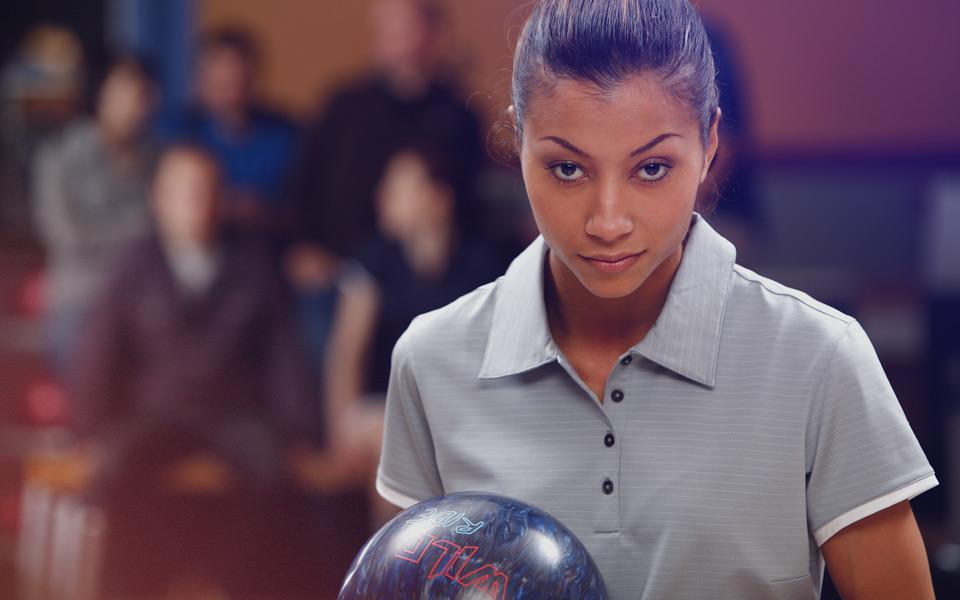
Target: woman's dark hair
443,169
605,41
440,167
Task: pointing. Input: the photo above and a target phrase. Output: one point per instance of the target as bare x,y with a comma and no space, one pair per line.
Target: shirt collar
520,337
685,339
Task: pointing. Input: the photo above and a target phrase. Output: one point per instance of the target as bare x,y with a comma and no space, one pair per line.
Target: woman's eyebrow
562,142
653,143
566,144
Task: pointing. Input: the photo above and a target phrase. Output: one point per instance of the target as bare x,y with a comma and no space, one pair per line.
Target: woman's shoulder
459,328
75,142
767,306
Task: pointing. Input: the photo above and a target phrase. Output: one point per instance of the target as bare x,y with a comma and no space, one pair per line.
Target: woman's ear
713,142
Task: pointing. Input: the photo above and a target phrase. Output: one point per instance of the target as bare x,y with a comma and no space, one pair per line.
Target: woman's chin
612,288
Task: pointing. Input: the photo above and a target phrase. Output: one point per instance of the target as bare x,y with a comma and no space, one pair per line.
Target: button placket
612,451
616,408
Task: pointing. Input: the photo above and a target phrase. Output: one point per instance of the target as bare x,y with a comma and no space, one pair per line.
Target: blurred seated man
90,196
191,348
254,145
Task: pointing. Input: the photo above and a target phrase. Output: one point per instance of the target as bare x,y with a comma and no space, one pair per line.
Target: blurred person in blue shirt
254,144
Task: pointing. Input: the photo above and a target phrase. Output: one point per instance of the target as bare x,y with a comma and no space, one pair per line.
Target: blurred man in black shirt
404,101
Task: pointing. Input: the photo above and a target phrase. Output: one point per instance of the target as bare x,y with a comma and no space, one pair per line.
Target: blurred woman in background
423,261
90,186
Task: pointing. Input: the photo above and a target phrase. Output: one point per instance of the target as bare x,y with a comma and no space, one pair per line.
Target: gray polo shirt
750,425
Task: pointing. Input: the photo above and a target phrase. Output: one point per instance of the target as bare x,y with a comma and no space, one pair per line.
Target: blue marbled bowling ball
471,546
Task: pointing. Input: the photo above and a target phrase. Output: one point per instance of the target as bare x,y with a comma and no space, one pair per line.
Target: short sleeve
408,470
862,455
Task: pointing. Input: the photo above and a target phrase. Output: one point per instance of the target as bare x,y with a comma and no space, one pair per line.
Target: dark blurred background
216,217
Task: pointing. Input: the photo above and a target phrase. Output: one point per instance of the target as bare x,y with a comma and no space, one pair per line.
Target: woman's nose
609,218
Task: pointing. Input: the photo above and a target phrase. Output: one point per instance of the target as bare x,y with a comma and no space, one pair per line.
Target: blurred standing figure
90,196
737,215
405,100
41,92
254,145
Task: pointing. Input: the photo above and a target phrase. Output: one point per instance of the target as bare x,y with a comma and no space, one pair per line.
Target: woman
421,261
706,432
90,188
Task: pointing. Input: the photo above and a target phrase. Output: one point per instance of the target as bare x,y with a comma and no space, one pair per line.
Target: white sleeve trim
393,496
876,505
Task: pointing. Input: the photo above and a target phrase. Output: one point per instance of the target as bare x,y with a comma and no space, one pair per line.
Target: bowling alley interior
218,217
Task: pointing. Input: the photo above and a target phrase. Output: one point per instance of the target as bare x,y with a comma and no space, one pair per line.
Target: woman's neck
578,317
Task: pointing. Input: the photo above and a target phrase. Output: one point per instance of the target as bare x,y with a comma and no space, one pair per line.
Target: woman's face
409,202
124,104
612,178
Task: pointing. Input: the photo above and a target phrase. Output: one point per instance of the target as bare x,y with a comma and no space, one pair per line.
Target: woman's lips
612,264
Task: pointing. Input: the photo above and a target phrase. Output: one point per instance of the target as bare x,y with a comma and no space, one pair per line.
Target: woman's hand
880,557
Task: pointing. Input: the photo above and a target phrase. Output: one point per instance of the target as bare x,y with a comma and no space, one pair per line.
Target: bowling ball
471,546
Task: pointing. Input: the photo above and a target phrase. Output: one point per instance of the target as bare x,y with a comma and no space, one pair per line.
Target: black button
609,440
607,487
626,360
616,396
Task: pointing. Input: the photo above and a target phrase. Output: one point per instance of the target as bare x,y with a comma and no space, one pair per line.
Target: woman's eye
653,171
567,171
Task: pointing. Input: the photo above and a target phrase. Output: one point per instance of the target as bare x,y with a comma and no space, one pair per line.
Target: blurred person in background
41,92
89,189
737,214
422,259
407,98
191,348
253,144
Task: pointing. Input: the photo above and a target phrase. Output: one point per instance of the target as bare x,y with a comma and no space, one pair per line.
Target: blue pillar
163,32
